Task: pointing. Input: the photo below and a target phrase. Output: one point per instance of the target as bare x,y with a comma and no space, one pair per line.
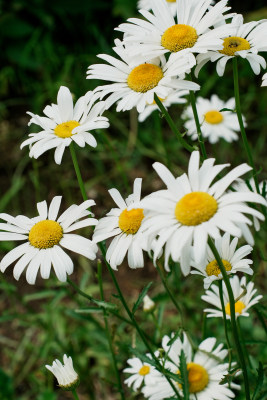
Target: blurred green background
46,44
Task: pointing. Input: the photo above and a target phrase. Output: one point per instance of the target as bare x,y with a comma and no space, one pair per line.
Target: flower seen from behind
64,123
45,237
65,374
244,295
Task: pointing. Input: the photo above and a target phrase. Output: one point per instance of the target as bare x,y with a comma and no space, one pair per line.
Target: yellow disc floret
233,44
239,307
213,117
198,377
65,129
130,221
144,370
144,77
213,268
195,208
171,1
179,37
45,234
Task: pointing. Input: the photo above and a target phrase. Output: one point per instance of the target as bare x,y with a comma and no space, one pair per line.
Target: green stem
198,126
225,324
75,395
99,275
233,318
177,306
172,124
78,172
241,124
243,342
204,326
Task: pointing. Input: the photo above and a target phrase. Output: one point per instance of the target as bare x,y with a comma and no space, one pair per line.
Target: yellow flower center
144,77
239,307
179,37
130,221
213,117
213,268
171,1
195,208
65,129
233,44
144,370
45,234
198,377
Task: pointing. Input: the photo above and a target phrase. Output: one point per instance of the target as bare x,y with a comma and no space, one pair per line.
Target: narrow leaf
259,382
184,375
141,296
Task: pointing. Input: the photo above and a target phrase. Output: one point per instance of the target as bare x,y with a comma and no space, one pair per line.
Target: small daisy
244,295
147,5
65,374
141,372
190,31
264,80
45,236
64,124
193,208
216,124
123,224
233,260
136,82
175,97
205,369
246,41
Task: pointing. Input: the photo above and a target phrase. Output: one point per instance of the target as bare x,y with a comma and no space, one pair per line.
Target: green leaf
229,377
184,375
175,337
89,310
6,386
104,304
141,296
227,109
259,382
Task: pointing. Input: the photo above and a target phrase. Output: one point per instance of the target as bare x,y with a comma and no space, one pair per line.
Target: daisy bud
149,304
67,378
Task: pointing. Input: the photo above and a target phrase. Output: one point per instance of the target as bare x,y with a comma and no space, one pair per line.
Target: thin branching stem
225,324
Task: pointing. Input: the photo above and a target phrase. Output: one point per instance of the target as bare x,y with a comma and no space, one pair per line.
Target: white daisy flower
233,260
123,224
65,374
141,372
161,33
193,208
215,124
205,371
136,82
175,97
149,304
64,124
45,236
244,295
264,80
246,41
147,5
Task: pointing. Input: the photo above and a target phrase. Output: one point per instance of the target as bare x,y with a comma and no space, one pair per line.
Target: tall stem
225,324
233,318
75,395
99,275
77,170
241,124
199,132
172,125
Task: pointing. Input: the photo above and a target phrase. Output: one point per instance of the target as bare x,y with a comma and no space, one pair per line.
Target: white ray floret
64,124
147,5
141,373
191,31
45,237
206,369
245,41
264,80
122,224
233,260
175,97
65,374
215,124
192,208
136,81
244,295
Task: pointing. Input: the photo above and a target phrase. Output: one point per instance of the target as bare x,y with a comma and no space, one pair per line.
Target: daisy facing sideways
64,123
45,237
205,370
244,295
123,225
136,81
161,33
65,374
246,41
233,260
192,208
215,124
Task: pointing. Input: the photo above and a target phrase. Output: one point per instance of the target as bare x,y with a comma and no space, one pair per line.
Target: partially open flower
67,378
149,304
